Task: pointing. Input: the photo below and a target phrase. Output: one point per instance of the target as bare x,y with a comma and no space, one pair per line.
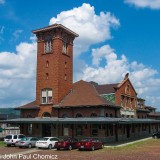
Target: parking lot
148,150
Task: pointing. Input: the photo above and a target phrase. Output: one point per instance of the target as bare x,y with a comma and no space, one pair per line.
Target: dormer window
46,96
65,48
48,46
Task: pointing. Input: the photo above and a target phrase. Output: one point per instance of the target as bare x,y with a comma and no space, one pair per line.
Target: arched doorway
46,128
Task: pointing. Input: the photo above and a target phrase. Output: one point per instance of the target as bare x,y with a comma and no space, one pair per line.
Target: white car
11,139
47,142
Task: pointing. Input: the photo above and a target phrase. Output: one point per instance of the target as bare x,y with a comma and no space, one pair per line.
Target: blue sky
114,38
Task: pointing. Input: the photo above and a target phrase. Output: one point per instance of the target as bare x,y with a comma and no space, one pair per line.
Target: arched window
46,114
127,90
93,115
64,115
47,76
46,96
65,64
47,64
29,116
65,48
48,45
106,114
111,115
78,115
65,77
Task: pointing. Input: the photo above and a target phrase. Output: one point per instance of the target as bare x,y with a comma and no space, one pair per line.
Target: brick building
111,112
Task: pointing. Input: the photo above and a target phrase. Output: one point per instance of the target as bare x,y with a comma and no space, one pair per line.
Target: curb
128,143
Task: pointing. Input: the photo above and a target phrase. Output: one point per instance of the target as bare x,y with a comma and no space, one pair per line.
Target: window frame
47,97
65,48
48,46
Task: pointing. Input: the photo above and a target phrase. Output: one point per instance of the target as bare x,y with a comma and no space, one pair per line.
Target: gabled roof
31,105
106,88
84,94
126,78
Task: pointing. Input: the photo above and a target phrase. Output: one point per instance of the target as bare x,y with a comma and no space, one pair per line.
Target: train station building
112,112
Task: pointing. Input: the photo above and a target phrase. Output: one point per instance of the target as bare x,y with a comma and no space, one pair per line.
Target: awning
80,120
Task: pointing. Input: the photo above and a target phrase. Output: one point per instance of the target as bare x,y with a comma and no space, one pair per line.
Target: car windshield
43,139
8,137
64,139
25,139
86,140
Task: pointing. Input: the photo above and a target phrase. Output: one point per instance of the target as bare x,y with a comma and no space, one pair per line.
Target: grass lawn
2,144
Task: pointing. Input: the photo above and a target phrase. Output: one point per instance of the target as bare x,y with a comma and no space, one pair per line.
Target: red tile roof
106,88
31,105
84,94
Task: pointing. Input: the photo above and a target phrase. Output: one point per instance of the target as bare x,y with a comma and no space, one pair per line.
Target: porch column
116,132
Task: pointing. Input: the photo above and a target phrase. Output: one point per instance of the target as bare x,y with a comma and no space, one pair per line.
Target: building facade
111,112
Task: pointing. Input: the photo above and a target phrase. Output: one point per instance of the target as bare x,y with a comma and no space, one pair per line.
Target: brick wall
87,111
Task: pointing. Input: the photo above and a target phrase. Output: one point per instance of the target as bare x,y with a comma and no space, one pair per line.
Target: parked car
11,139
90,144
47,142
67,143
27,142
156,135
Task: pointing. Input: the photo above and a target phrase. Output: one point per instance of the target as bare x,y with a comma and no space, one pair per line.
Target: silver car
27,142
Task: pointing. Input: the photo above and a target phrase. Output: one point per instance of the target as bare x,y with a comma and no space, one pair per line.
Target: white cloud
153,4
17,72
113,69
2,2
92,28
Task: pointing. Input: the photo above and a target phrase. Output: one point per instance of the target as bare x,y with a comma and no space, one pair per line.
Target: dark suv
11,139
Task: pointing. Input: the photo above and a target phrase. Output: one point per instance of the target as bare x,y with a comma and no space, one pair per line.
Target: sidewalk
121,144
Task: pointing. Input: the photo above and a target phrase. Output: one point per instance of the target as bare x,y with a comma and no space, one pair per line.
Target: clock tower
54,64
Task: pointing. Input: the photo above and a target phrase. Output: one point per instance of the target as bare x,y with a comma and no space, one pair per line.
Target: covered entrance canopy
80,120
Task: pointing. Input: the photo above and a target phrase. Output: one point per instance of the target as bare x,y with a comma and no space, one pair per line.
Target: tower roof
51,27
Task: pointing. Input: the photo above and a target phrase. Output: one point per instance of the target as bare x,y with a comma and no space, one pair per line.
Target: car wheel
70,147
8,145
58,149
102,146
30,146
92,148
155,137
50,146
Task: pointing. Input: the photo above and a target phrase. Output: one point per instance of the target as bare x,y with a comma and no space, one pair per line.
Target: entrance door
46,130
65,130
128,131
